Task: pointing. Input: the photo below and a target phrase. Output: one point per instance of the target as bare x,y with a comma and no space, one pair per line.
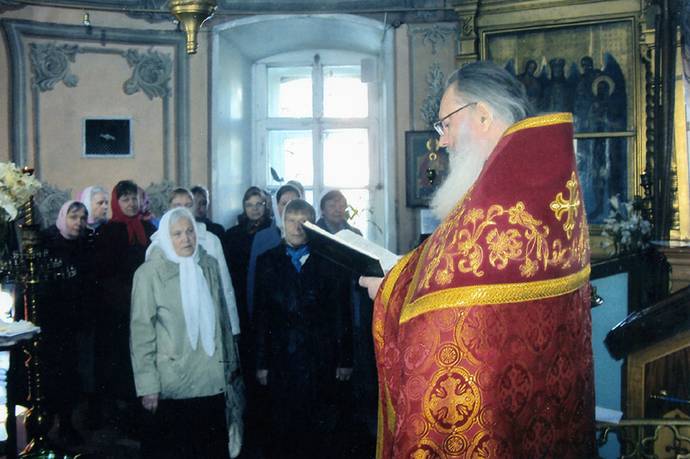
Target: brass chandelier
192,14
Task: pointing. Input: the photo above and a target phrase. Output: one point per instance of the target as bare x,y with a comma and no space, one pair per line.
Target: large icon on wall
107,137
586,70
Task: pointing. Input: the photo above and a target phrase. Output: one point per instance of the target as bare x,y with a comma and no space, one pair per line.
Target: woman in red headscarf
121,244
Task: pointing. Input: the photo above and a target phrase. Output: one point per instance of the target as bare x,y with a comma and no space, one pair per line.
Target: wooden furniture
656,343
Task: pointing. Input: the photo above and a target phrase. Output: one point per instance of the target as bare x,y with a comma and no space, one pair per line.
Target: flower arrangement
625,230
16,188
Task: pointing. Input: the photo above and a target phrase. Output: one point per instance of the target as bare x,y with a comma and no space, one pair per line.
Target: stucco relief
151,73
50,64
158,194
49,199
432,52
435,80
433,36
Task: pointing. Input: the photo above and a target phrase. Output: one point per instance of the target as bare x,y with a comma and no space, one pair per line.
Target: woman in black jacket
303,339
67,316
121,246
237,244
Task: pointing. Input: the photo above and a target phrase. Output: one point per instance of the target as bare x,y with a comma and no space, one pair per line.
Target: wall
191,116
231,122
58,72
425,57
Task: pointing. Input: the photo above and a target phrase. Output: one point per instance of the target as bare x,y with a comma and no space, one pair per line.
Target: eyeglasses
438,125
258,205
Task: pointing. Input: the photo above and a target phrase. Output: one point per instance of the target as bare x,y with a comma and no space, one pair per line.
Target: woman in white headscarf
183,354
95,198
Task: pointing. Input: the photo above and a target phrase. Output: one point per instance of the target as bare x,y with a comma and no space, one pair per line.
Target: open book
351,251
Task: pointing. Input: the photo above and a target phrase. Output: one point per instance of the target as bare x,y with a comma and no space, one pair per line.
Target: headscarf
135,229
298,255
61,222
197,304
86,196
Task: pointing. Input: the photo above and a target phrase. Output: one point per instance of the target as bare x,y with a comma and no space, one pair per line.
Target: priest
483,333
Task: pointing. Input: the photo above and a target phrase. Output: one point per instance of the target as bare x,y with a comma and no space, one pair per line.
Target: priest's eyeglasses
438,125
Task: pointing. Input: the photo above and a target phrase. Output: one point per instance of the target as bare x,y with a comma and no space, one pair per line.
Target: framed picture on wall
107,137
587,69
426,166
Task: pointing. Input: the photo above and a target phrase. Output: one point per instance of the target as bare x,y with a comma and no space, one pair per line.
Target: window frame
318,124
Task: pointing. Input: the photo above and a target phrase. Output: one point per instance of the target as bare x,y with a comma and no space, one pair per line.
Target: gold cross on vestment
560,205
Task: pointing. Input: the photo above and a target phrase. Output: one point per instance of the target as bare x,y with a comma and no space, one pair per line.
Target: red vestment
483,333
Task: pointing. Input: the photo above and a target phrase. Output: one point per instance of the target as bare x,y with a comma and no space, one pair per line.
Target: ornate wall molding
158,194
151,76
467,36
49,199
433,36
151,73
50,65
435,80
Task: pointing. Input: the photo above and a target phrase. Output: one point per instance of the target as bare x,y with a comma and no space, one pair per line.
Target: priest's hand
150,402
262,377
343,374
372,285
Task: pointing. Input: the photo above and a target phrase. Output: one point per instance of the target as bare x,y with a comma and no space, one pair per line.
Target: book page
387,258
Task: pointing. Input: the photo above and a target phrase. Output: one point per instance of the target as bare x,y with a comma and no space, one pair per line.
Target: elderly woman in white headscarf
183,354
95,198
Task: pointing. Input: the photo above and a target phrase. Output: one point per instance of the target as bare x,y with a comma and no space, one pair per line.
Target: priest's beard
466,162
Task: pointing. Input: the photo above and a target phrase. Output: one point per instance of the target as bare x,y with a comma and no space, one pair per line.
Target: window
316,124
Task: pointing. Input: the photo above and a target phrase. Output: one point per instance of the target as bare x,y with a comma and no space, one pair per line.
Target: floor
111,442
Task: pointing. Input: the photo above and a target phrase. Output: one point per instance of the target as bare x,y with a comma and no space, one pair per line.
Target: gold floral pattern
504,246
470,241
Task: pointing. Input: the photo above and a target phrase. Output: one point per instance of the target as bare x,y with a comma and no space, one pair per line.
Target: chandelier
192,14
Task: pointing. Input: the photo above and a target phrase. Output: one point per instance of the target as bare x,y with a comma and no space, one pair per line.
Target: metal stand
29,267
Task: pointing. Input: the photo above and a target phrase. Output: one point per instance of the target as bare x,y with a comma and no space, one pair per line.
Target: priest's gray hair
485,81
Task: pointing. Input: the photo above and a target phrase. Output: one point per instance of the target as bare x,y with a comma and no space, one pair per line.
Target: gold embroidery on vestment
452,400
390,411
570,205
392,278
379,431
474,295
460,243
539,121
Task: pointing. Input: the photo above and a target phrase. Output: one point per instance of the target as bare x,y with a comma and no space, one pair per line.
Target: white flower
15,189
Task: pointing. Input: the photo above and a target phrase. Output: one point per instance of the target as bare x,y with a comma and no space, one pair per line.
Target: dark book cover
341,252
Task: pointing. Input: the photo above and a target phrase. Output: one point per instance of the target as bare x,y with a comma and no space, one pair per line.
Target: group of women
143,328
140,328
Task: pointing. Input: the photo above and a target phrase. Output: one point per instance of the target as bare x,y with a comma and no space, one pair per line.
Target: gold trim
539,121
474,295
379,431
393,278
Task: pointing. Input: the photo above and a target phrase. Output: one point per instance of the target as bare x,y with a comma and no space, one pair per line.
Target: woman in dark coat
66,315
121,246
237,243
304,340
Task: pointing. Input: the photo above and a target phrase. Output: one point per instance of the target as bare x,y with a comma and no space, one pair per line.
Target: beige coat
162,357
